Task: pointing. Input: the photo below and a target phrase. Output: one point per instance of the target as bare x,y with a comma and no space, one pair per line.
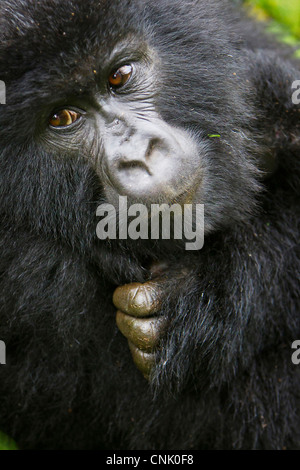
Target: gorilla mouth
134,165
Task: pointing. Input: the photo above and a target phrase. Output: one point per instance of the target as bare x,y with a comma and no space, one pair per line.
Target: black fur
224,376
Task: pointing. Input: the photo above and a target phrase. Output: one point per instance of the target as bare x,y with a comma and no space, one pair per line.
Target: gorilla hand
137,305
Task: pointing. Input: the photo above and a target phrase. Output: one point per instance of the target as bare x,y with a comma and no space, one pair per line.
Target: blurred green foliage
6,443
283,18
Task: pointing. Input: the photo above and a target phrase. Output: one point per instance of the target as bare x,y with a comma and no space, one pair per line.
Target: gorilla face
131,148
137,117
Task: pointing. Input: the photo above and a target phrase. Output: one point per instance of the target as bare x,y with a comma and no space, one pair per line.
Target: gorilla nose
131,170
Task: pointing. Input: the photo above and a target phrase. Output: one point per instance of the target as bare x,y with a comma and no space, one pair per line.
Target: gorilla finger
144,333
138,299
144,361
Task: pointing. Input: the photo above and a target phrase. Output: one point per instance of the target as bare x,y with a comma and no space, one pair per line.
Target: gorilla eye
64,118
121,76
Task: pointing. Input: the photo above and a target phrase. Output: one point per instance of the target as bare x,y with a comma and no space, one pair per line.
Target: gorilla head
146,107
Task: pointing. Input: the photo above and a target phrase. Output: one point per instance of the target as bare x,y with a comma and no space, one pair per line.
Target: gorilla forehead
56,30
25,17
50,28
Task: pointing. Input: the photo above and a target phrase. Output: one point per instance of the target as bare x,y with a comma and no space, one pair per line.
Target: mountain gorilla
162,101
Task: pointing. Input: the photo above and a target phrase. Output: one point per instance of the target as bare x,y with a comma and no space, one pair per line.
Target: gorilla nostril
153,144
